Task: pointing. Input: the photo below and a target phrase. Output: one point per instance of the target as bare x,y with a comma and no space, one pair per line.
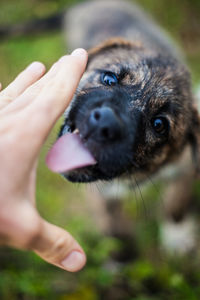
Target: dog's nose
104,124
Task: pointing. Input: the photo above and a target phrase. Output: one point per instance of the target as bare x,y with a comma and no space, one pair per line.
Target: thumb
22,227
58,247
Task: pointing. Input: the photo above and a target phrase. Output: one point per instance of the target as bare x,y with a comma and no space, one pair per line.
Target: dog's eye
160,125
109,78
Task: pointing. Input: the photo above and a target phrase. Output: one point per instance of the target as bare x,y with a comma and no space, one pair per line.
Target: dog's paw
180,237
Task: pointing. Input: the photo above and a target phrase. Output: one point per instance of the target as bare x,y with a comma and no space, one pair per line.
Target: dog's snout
104,124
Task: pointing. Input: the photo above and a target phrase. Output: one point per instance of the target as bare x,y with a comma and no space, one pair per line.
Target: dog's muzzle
103,125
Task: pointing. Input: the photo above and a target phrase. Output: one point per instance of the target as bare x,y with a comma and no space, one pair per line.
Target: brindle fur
154,81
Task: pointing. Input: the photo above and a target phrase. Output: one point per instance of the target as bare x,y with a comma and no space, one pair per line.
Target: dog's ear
195,138
113,43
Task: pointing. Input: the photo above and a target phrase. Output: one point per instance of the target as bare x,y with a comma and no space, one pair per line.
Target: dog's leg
106,202
178,228
97,207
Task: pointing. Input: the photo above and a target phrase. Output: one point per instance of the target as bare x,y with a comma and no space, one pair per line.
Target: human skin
26,119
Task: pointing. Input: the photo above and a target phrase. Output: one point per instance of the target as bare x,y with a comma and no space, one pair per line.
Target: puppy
134,107
133,110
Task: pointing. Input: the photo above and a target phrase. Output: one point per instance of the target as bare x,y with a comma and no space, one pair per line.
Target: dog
134,107
133,111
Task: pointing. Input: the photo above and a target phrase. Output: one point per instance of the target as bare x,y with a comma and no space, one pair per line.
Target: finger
58,247
0,86
26,78
52,100
56,95
35,90
23,228
31,92
38,118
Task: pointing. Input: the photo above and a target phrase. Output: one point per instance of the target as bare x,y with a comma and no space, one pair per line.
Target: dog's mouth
69,153
102,150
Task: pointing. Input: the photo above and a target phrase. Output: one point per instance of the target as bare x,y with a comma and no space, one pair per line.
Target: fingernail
78,52
36,67
74,261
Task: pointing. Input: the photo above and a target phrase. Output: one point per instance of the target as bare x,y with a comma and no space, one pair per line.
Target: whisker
117,189
157,191
142,198
99,187
132,187
90,186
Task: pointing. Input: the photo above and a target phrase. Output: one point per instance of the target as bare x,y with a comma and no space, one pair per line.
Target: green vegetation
150,274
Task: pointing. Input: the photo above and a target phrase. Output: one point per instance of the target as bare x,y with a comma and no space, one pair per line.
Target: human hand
30,106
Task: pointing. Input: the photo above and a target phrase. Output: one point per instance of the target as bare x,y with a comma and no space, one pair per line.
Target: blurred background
150,274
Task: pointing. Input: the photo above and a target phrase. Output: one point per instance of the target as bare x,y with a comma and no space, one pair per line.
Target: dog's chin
91,174
81,175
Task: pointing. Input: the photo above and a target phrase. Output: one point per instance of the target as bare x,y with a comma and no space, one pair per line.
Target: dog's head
133,111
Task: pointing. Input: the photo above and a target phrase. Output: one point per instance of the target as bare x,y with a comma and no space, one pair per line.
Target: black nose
104,124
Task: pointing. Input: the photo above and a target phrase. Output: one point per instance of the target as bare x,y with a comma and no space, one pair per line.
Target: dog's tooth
76,131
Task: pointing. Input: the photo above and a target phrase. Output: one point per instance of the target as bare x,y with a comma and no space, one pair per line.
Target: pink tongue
68,153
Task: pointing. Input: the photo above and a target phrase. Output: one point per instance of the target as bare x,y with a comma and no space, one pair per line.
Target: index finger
55,95
59,90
